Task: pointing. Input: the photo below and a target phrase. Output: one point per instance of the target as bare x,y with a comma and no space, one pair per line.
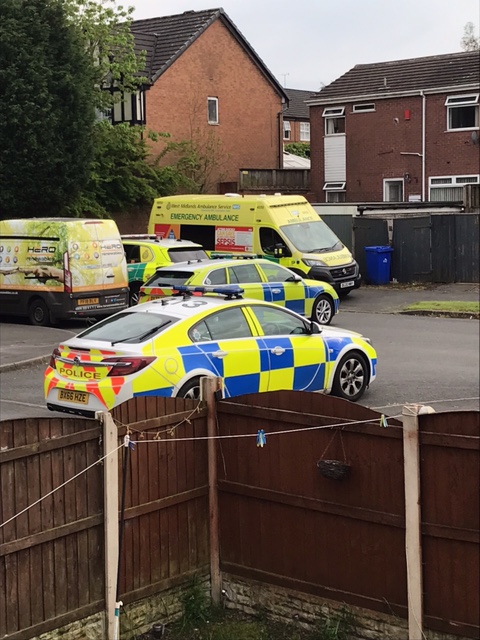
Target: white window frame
334,192
386,184
458,102
287,130
363,108
331,114
334,186
450,182
212,110
304,131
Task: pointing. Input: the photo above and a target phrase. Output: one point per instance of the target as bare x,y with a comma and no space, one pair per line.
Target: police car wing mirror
294,278
315,328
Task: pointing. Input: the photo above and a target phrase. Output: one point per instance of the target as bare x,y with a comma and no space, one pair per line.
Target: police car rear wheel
323,310
351,377
190,389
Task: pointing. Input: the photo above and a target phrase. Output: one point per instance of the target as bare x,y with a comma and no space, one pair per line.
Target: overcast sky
307,43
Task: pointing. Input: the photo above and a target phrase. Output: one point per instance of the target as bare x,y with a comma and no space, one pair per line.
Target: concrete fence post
110,510
413,521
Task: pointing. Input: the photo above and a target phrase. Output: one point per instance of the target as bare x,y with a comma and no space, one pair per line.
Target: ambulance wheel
38,313
190,389
134,294
323,309
351,377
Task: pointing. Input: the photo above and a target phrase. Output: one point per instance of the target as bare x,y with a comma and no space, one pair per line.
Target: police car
164,347
261,279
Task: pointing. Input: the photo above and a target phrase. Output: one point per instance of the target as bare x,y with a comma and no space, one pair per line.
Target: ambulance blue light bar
228,290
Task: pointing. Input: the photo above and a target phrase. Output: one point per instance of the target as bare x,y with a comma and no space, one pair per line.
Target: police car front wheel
323,310
351,377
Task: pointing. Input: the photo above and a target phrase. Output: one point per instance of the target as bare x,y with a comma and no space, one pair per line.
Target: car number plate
350,283
85,301
80,397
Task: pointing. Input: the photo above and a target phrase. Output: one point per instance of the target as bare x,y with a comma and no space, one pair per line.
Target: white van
59,268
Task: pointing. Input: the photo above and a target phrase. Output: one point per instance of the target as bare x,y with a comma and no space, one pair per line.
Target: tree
301,149
110,45
469,41
120,177
47,108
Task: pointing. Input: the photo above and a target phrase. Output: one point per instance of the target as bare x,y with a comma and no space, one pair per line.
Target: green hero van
60,268
285,229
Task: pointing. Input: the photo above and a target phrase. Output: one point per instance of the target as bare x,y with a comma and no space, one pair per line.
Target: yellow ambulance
285,229
59,268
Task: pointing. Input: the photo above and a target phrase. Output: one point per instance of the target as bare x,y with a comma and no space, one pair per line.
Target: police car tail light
124,365
55,354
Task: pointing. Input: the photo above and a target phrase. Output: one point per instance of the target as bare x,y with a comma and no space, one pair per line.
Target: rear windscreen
169,277
185,254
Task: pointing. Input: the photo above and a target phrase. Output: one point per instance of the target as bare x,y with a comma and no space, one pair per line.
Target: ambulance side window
132,253
269,239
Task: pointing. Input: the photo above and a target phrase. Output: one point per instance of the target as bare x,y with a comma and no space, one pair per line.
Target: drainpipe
424,105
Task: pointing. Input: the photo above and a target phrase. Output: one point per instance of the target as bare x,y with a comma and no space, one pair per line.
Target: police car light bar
228,290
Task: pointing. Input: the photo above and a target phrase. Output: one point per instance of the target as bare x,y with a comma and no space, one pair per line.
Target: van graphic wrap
52,268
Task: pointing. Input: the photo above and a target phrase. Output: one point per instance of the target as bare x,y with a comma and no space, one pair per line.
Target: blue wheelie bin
378,264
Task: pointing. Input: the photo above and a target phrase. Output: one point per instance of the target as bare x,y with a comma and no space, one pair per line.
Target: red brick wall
215,65
376,139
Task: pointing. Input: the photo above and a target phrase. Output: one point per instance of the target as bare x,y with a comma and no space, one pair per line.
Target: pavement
22,345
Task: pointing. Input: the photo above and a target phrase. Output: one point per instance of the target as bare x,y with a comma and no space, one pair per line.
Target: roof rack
230,291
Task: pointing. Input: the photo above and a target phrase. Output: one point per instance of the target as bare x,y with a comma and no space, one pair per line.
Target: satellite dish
475,137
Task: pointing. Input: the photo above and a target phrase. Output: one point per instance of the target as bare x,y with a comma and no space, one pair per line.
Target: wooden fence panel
47,566
283,523
166,514
449,444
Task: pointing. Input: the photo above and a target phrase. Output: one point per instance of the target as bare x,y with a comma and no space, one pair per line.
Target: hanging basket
333,469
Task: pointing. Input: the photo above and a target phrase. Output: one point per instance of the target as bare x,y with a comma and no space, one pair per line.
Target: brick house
207,84
296,116
398,131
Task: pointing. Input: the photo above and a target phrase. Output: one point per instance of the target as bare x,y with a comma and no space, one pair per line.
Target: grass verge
449,309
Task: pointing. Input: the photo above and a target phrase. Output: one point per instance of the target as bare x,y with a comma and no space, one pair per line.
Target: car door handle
276,291
219,354
112,275
277,351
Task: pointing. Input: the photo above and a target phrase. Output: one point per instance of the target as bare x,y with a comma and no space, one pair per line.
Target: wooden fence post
413,521
208,387
110,510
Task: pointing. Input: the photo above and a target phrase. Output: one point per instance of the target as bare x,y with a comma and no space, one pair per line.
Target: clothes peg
261,438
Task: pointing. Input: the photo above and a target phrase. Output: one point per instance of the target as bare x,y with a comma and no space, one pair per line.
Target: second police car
164,347
259,278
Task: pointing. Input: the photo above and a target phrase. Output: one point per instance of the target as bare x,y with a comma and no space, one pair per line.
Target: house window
287,130
361,108
393,190
334,191
334,120
305,131
462,112
449,188
212,107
